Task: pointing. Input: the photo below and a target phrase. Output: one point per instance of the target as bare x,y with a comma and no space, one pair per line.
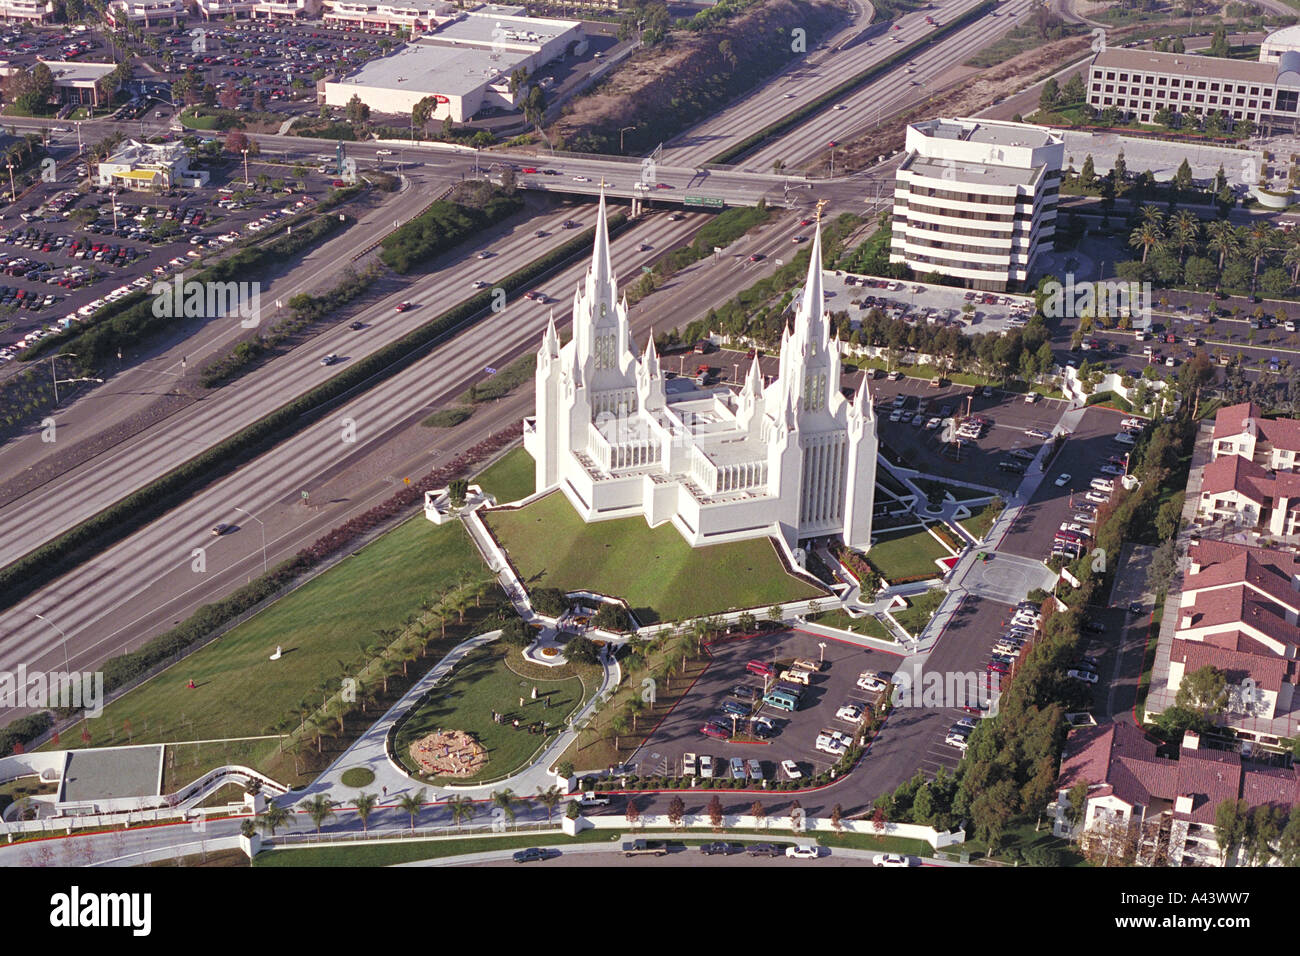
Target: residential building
1243,430
27,11
976,200
1161,809
1138,83
792,458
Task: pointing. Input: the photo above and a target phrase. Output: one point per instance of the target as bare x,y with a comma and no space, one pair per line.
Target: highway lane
145,583
41,514
897,90
115,601
133,389
818,73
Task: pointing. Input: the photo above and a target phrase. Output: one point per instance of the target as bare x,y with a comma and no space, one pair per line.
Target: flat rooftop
70,72
972,173
114,772
436,68
992,134
482,27
1187,64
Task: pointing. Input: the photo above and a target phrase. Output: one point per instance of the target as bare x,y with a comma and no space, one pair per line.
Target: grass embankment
919,610
906,555
660,576
866,625
511,477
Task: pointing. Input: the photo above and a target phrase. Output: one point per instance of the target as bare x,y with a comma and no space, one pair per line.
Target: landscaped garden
483,684
661,577
906,555
920,608
978,524
866,625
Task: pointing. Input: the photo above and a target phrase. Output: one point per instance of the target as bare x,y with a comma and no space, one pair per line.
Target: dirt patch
449,753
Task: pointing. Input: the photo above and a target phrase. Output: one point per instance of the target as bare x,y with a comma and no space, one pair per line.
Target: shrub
549,601
447,417
612,617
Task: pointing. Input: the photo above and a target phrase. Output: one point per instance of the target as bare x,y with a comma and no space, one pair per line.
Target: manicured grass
908,554
866,625
660,576
387,854
240,693
920,609
358,777
980,522
510,477
882,844
1018,838
480,684
958,493
896,487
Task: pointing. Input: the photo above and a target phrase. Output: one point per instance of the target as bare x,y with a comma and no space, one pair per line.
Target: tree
715,812
1204,691
1075,90
1088,175
318,808
1119,173
676,811
775,614
837,824
357,112
633,813
549,798
1183,176
1222,237
462,809
412,803
516,633
1288,850
236,141
365,803
1145,236
1231,825
457,488
504,800
582,650
422,112
1050,96
273,817
758,813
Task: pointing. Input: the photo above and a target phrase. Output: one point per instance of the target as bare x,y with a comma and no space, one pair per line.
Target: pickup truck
644,847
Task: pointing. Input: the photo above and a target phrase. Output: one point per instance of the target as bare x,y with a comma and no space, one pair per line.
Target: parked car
1062,480
891,859
802,852
869,680
763,849
724,849
1085,676
791,770
534,854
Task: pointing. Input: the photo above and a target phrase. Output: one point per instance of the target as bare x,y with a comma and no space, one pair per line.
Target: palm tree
318,808
411,803
549,798
273,817
619,725
1291,254
462,809
1145,236
365,803
1152,214
1186,230
1261,239
1222,237
505,801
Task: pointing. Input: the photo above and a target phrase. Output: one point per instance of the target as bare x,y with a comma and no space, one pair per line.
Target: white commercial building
146,12
252,9
465,66
793,458
350,14
150,166
1286,40
976,200
27,11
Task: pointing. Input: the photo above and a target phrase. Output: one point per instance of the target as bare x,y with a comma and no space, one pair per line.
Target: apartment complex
1252,480
27,11
976,200
1160,808
1138,83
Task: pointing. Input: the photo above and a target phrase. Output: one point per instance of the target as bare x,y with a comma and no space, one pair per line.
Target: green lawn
387,854
240,693
510,477
958,492
481,683
906,554
980,522
660,576
866,625
920,609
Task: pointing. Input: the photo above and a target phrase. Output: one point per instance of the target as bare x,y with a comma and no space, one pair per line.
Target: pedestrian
385,791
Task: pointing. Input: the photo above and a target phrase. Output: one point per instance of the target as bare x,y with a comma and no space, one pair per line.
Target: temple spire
601,268
551,340
813,304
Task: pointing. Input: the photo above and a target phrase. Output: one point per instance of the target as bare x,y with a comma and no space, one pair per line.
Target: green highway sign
706,201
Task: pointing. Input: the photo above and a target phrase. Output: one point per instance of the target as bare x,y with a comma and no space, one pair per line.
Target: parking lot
919,302
795,732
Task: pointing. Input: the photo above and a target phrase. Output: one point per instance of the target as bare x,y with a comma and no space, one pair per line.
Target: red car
716,731
338,183
997,667
805,222
662,186
760,668
528,169
757,257
403,306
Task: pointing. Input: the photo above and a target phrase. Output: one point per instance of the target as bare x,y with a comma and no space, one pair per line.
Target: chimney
1191,741
1183,803
1189,619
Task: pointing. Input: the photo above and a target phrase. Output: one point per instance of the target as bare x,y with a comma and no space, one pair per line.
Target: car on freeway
403,306
724,849
480,284
540,234
534,854
485,254
219,529
581,179
802,852
799,239
1062,479
1087,677
644,247
891,859
329,359
757,257
356,326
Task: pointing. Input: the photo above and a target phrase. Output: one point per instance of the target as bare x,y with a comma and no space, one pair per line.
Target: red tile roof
1244,567
1234,473
1209,777
1268,671
1232,420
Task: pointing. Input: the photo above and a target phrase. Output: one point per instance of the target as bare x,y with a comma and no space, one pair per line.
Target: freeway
145,583
29,519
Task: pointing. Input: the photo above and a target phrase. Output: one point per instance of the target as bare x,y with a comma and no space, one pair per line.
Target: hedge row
819,104
78,544
443,226
126,667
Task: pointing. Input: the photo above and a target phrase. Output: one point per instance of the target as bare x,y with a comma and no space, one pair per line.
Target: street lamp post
263,524
620,136
245,152
64,636
13,193
821,646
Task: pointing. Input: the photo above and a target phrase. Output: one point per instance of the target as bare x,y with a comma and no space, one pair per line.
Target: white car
1102,484
1086,676
581,179
480,284
933,423
890,859
956,740
706,766
1076,528
830,742
1062,480
869,680
1085,518
1115,470
851,712
1097,497
1132,423
802,852
791,770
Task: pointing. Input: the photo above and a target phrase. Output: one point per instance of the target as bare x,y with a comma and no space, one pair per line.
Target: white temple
794,458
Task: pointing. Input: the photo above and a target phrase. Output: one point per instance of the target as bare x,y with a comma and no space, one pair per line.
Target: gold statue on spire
820,203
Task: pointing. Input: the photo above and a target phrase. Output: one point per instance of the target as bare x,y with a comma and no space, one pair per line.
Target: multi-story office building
27,11
976,200
1138,83
145,12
